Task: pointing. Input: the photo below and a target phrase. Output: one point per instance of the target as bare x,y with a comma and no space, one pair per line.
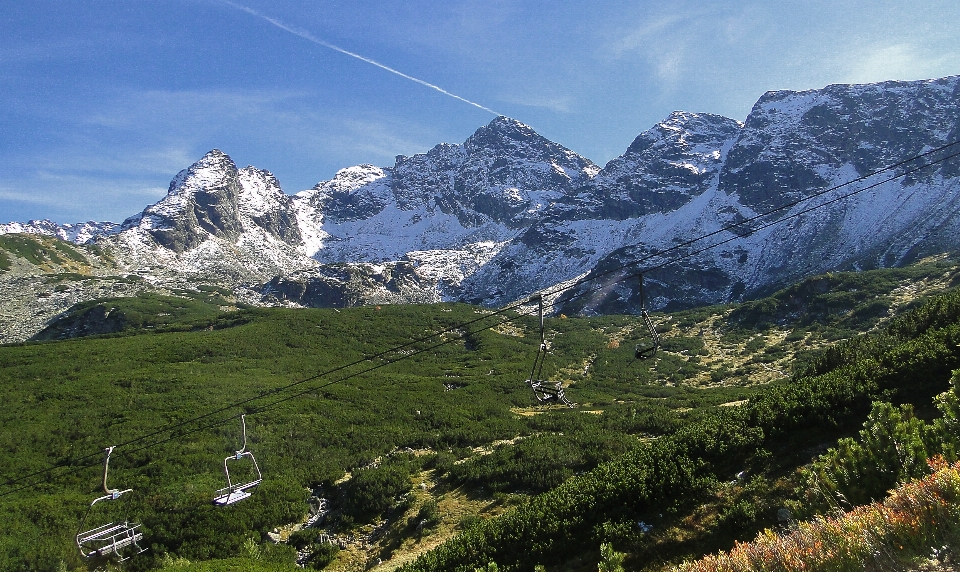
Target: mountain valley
397,415
371,339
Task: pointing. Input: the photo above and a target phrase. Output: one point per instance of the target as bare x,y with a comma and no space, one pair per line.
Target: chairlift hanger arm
537,369
243,424
106,469
646,350
111,494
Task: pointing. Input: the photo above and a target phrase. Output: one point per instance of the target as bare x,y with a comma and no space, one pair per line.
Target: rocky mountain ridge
79,233
508,212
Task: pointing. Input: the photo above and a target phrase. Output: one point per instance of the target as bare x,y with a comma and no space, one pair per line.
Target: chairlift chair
112,537
237,492
545,391
647,347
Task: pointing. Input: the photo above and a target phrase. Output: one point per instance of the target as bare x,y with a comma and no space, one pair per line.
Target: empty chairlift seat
113,538
235,492
545,391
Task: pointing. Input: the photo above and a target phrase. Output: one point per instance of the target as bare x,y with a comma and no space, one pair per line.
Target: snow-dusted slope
217,223
447,211
796,144
653,194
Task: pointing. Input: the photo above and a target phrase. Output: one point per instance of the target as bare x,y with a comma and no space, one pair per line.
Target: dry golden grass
916,516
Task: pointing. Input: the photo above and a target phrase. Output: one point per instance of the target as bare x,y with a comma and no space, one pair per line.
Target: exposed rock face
262,205
504,173
216,224
356,193
212,198
508,213
664,168
342,286
669,166
202,201
796,144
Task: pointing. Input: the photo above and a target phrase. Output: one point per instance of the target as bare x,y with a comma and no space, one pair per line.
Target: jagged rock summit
665,166
217,222
212,198
507,212
447,211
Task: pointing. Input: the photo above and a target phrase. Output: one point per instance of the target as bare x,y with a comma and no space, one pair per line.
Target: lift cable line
87,460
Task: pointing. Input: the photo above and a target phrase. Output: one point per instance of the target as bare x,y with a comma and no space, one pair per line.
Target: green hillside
38,251
190,310
438,433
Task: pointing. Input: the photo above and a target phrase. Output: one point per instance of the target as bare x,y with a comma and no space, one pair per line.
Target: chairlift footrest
231,498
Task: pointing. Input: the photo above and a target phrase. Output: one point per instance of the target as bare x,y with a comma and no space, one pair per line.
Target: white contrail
310,37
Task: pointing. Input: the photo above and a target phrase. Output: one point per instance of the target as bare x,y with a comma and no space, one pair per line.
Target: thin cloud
166,131
387,142
163,161
84,198
130,107
663,43
8,194
650,33
331,142
898,61
310,37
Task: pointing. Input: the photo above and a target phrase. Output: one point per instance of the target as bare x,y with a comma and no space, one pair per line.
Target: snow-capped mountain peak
509,212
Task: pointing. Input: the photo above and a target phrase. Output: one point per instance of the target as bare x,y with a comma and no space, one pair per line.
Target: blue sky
102,102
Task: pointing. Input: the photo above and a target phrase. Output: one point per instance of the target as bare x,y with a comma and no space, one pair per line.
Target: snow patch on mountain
450,267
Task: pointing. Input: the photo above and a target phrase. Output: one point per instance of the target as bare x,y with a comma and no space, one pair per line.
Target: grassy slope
38,251
128,316
68,399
